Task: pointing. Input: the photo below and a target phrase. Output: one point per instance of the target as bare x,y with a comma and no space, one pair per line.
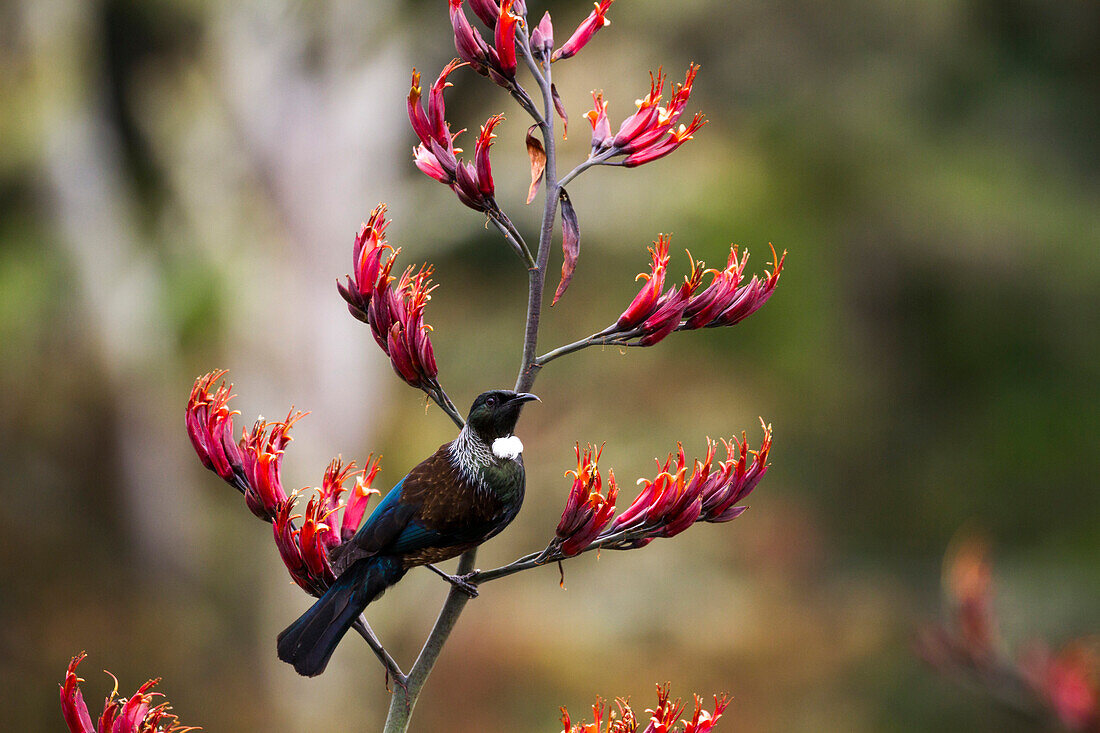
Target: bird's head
494,414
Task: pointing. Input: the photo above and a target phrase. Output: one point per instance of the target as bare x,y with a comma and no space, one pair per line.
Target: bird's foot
462,582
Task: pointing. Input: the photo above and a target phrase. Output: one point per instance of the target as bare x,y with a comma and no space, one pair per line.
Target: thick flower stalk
652,132
139,713
664,718
1062,686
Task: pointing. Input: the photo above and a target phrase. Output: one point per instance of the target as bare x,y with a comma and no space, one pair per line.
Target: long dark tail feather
309,642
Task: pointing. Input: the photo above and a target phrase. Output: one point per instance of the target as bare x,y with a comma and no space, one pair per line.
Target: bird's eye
491,402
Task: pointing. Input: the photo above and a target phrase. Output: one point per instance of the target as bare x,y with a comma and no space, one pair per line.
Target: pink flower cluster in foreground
667,505
253,465
664,718
393,307
139,713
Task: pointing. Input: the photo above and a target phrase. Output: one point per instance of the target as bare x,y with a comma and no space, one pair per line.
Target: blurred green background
180,183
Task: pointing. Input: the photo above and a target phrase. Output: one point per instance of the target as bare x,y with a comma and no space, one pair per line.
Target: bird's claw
462,582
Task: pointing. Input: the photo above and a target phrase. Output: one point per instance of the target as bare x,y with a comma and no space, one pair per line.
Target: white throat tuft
507,448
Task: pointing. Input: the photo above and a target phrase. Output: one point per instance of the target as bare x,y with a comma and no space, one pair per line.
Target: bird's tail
309,642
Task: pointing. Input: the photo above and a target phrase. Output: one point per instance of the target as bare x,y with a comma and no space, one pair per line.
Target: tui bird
460,496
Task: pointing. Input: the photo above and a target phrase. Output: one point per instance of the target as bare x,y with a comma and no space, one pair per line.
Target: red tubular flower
704,721
396,314
356,505
435,155
671,502
736,478
136,714
487,10
469,44
666,145
648,117
210,427
670,309
587,511
407,342
307,551
596,20
745,301
717,297
481,157
262,450
505,40
597,117
366,261
645,302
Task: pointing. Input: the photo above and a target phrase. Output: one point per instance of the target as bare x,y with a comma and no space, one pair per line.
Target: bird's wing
391,527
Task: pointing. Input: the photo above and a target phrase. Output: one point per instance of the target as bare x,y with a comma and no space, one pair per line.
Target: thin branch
511,234
440,398
384,657
404,697
600,159
552,555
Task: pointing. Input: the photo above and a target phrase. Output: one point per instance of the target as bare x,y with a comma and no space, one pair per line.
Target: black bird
463,494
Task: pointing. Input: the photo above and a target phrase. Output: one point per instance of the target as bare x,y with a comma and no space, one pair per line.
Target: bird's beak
522,397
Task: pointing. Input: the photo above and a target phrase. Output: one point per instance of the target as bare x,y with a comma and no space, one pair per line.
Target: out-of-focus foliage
180,183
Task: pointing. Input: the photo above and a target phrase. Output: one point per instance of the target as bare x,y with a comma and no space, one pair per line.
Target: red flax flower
210,427
136,714
596,20
587,511
436,157
726,301
307,551
653,131
671,502
663,718
252,465
498,62
395,314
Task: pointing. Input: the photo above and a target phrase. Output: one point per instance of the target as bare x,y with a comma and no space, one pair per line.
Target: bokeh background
180,183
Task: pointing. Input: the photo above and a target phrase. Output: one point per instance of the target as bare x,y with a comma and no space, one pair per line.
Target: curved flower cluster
667,504
662,718
306,551
395,314
436,157
654,314
587,511
651,132
136,714
253,467
250,465
498,62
